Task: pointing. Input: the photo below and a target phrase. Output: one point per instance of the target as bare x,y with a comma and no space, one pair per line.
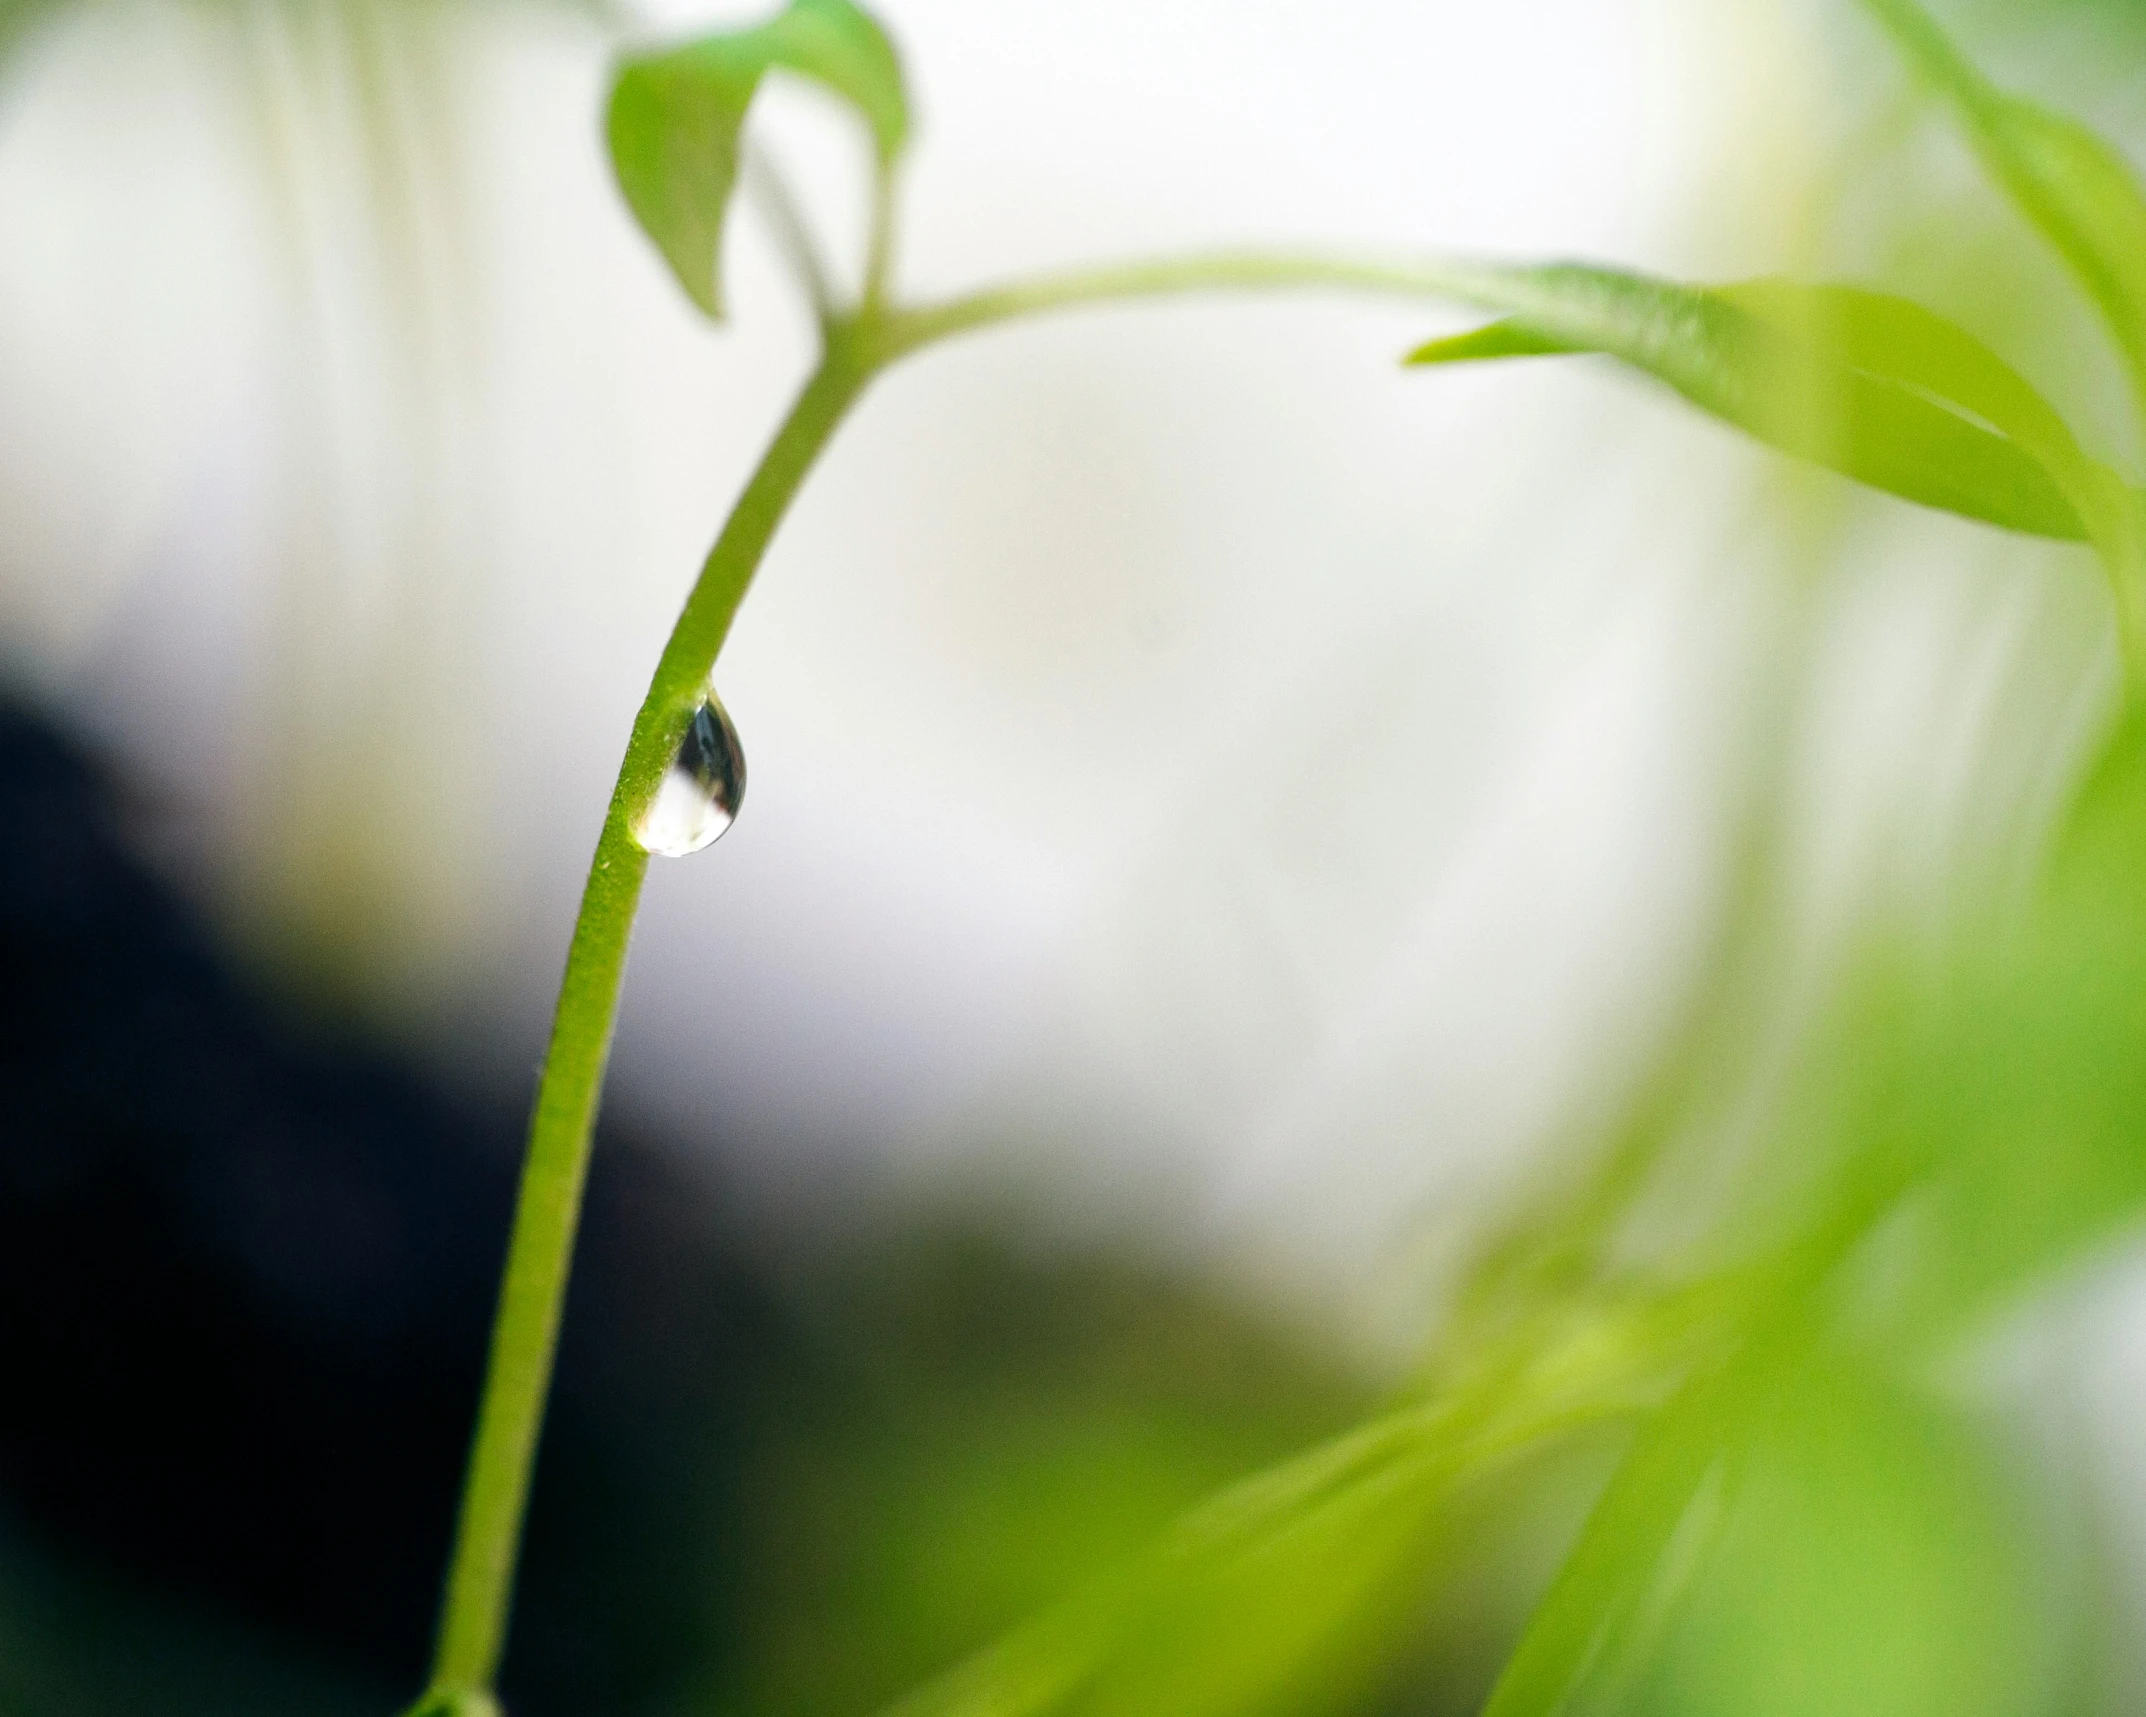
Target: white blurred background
1210,788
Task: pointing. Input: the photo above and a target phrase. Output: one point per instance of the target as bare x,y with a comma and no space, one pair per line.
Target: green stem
540,1249
879,241
526,1328
1485,284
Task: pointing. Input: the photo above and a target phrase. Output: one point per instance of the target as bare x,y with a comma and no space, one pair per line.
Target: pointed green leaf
1510,339
675,118
1871,386
2072,184
673,130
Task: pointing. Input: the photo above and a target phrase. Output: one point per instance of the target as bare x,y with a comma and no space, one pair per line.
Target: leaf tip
1510,339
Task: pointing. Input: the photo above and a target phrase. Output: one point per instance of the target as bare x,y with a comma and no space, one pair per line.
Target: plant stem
880,239
1455,280
540,1249
525,1331
473,1619
526,1327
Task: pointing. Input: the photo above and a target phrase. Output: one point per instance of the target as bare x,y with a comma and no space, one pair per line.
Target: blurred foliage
1803,1518
974,1433
1805,1515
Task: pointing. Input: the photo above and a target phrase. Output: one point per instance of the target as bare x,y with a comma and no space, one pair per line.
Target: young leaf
675,118
1873,387
1870,385
1875,335
2071,183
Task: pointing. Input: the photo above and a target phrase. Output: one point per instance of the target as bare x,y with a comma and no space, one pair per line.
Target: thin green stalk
880,240
540,1250
526,1327
1220,271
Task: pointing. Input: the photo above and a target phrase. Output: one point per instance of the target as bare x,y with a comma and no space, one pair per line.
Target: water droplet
701,790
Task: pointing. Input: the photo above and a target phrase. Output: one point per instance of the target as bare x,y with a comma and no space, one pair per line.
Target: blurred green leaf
2029,1092
16,19
1592,1604
1874,387
1295,1590
1334,1522
2071,183
1868,1561
1900,343
675,121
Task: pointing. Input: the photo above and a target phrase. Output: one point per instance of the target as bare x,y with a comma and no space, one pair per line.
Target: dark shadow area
245,1278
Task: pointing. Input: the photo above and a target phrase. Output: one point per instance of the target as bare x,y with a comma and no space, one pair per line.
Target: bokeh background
1226,812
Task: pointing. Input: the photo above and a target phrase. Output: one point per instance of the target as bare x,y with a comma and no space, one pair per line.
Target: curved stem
474,1611
525,1330
526,1327
1457,280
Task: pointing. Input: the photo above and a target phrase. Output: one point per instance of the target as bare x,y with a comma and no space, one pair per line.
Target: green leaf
1898,343
1582,1620
2071,183
1871,386
1224,1606
1307,1576
1870,1560
676,116
2029,1092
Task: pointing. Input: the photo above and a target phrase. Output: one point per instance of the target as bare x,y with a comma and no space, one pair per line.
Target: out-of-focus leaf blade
1357,1505
1869,1561
675,119
1814,371
2029,1096
1302,1579
1613,1566
2071,183
1877,335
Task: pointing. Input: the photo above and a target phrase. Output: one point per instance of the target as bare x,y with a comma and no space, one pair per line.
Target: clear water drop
701,790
